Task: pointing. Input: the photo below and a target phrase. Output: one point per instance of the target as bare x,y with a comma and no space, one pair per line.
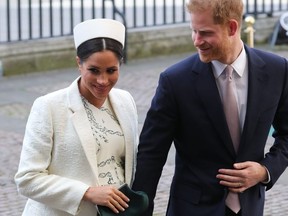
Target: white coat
58,160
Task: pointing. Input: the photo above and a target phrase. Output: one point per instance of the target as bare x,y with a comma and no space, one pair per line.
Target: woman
80,142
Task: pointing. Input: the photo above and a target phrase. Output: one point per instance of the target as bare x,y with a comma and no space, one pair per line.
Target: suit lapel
257,79
209,95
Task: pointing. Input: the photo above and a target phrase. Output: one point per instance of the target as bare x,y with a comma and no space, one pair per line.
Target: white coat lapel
82,126
123,113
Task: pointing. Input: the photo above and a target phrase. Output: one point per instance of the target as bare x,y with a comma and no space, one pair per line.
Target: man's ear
233,27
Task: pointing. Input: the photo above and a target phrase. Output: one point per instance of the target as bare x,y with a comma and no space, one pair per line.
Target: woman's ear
121,61
79,63
78,60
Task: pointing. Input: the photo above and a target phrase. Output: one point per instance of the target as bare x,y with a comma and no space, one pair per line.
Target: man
220,167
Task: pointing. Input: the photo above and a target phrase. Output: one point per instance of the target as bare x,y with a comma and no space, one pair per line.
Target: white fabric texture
58,161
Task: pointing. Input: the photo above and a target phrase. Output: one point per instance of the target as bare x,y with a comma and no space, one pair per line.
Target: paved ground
140,78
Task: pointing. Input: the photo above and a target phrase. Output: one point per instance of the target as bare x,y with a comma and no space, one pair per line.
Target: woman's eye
93,70
111,70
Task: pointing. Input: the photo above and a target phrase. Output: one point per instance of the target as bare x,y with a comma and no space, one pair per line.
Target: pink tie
232,118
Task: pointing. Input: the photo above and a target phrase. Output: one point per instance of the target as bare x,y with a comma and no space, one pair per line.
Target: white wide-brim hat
99,28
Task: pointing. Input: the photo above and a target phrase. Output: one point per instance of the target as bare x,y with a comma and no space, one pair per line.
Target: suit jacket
187,110
58,160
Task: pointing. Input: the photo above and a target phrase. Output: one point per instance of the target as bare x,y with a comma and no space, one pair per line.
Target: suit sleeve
155,140
276,160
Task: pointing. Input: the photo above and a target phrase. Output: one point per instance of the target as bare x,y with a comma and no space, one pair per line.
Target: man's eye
207,33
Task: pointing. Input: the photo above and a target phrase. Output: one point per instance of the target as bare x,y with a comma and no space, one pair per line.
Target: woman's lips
101,88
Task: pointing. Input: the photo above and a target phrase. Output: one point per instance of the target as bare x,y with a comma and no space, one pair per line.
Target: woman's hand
107,196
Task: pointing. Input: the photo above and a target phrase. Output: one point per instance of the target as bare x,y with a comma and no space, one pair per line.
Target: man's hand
243,176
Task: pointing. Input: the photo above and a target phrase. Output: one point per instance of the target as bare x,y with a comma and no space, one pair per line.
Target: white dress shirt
240,77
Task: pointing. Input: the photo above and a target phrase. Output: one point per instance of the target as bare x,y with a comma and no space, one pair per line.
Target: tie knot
229,71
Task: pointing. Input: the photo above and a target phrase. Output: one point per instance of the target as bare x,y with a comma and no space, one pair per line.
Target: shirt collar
238,65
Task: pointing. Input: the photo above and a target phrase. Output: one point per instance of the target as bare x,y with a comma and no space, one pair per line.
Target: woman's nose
102,79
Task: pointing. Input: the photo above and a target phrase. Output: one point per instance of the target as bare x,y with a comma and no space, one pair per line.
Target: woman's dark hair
89,47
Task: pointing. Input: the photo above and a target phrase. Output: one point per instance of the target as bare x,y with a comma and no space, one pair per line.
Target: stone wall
48,54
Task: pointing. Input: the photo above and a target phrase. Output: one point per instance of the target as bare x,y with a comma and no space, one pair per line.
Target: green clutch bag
138,203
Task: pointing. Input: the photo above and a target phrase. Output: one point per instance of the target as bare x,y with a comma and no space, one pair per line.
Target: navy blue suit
187,110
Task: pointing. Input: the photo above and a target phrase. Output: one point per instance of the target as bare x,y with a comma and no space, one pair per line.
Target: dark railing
36,19
265,7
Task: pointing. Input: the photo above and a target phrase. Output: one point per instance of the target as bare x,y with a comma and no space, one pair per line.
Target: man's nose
197,39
